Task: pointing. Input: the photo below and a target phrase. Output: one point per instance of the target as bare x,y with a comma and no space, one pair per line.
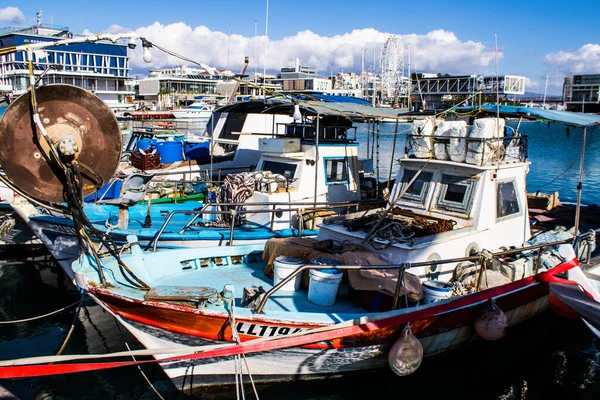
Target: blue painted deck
183,267
99,215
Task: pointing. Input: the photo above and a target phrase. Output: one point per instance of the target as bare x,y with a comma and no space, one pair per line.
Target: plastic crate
145,161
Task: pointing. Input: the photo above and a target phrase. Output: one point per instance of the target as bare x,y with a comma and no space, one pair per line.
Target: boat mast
545,90
266,42
409,79
497,88
580,183
228,46
255,52
312,225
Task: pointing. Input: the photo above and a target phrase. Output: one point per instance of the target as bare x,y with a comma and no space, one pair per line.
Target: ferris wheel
392,67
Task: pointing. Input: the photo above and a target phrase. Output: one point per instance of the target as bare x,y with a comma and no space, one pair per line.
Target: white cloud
11,14
586,59
436,51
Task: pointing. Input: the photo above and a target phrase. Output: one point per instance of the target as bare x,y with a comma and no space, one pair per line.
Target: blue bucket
143,144
170,152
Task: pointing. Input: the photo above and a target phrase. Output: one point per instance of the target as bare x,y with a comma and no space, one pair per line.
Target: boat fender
491,323
406,354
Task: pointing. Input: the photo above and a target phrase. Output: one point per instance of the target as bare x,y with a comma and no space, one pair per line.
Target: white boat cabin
444,209
237,129
295,171
305,162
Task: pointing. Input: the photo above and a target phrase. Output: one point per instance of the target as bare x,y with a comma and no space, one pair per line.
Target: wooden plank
180,293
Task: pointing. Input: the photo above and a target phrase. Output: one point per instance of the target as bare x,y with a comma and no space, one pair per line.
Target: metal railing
405,266
277,207
326,133
475,151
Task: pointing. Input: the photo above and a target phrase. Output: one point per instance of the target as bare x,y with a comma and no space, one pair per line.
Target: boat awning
563,117
349,110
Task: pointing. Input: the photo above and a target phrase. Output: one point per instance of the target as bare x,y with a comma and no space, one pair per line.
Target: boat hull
440,327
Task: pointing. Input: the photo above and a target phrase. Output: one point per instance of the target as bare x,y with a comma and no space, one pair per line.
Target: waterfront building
178,85
302,79
101,67
434,92
346,84
581,93
255,86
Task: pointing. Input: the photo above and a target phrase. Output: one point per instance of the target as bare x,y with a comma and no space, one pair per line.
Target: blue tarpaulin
563,117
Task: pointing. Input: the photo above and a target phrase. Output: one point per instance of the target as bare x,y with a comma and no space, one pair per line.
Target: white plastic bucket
435,291
283,266
323,286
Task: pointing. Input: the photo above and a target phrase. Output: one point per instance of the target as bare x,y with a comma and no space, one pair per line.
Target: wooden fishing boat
196,298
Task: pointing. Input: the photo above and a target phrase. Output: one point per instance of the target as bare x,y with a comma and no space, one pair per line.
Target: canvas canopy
349,110
563,117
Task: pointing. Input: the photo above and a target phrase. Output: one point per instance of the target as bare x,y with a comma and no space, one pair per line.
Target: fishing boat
198,110
181,303
489,273
308,170
212,315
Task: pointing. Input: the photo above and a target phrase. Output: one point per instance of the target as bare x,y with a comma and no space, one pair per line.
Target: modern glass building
101,67
581,93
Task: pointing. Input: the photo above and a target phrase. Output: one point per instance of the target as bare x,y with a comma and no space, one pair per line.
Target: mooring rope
137,365
236,337
18,321
72,328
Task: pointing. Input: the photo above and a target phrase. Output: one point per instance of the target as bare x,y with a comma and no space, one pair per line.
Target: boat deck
173,273
243,275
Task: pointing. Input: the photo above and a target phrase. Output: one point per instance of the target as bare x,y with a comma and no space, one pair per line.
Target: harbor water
545,358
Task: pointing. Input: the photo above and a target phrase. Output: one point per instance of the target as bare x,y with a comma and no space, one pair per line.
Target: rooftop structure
302,79
582,92
101,67
434,90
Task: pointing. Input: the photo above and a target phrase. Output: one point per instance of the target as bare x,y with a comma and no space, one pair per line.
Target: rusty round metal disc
64,110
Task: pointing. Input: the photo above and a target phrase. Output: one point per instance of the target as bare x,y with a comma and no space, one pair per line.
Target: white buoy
491,323
406,354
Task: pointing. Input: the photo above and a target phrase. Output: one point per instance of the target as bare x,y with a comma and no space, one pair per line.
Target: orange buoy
491,323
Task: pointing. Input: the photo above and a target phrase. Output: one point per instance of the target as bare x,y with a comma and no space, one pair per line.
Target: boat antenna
266,43
409,79
497,86
255,51
497,100
545,90
228,46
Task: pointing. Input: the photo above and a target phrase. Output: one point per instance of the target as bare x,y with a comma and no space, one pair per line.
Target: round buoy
491,323
406,354
561,308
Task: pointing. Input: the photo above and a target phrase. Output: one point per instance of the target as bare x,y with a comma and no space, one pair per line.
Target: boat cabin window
336,170
417,192
456,193
280,168
233,123
508,203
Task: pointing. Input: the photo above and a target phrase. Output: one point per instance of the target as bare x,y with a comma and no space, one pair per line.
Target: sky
536,39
